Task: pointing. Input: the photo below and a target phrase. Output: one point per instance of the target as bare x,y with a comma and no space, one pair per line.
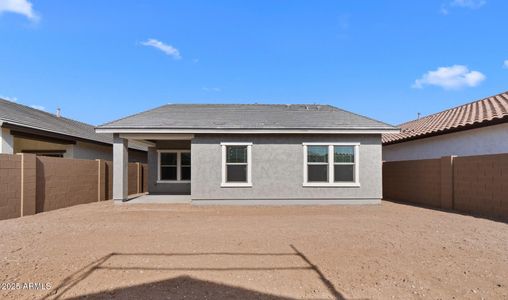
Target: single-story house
476,128
254,154
27,130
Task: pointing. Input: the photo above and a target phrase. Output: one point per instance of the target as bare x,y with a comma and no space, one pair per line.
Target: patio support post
152,167
120,168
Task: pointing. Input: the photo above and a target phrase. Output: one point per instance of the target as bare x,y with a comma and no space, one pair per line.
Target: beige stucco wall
21,144
80,150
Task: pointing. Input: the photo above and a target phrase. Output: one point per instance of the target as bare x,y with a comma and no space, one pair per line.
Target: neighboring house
254,154
476,128
27,130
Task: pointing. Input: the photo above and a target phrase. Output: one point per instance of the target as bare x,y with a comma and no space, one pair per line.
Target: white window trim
178,166
249,165
331,164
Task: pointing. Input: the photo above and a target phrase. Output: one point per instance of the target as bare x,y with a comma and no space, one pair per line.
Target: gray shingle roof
25,116
246,116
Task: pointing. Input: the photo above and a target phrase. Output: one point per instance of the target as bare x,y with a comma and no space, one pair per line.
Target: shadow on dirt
185,287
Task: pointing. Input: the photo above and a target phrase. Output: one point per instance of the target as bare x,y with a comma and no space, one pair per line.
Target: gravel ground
162,251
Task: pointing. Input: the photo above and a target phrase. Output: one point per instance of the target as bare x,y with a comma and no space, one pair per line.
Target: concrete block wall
30,184
65,182
481,184
133,171
415,181
471,184
10,186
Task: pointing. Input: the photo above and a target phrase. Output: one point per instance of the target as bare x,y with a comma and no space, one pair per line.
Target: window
317,164
343,163
185,166
47,153
174,165
330,164
236,164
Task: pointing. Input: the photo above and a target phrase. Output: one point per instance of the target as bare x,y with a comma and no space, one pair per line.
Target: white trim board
156,136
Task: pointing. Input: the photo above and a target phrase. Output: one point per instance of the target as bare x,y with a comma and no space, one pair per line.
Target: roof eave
357,130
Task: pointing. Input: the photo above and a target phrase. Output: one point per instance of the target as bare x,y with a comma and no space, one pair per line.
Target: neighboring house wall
6,141
80,150
155,187
21,144
485,140
277,170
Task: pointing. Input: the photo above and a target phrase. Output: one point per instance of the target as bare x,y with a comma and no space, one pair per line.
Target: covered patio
169,167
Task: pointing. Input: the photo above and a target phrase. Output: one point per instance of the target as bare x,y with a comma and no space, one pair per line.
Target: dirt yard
107,251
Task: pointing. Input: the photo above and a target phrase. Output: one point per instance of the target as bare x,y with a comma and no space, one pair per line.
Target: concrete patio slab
160,199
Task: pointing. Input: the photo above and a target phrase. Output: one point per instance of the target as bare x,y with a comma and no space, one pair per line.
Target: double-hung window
333,164
236,164
174,166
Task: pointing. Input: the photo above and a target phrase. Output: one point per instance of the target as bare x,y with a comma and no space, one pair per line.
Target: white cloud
213,89
167,49
12,99
22,7
453,77
473,4
470,4
505,63
39,107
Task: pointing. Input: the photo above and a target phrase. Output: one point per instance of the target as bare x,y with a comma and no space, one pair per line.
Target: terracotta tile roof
484,112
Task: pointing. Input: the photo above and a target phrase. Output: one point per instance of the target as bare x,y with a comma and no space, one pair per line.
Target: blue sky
102,60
